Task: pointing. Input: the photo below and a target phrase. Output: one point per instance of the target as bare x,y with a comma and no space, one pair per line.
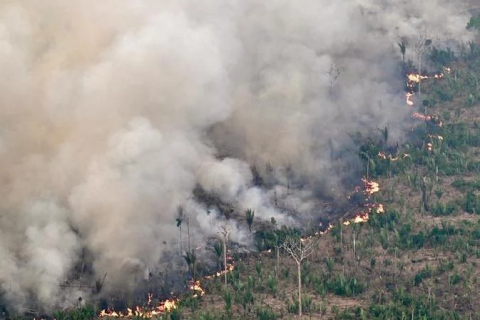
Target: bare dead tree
299,249
225,232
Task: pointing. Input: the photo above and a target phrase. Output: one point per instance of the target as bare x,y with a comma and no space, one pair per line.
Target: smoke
113,112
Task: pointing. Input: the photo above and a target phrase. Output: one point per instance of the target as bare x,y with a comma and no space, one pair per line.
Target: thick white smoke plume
112,112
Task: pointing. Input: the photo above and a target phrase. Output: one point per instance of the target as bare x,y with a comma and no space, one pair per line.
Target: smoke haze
113,112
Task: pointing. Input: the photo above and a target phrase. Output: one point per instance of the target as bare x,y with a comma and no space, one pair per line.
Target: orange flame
164,306
409,101
371,187
197,289
361,218
415,77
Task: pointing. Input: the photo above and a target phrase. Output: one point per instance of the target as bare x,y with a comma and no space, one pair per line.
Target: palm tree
384,133
249,214
403,48
179,220
191,260
218,248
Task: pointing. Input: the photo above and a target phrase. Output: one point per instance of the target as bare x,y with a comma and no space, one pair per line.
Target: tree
425,195
384,133
218,248
191,260
225,233
276,243
299,249
421,46
249,215
179,225
403,48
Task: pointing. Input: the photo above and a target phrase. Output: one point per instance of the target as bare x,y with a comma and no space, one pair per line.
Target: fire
380,208
164,306
416,77
421,116
330,227
413,79
361,218
230,268
432,119
383,155
409,101
371,187
197,289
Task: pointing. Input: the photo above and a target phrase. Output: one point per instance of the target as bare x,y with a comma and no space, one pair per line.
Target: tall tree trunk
225,259
188,234
277,265
181,244
299,271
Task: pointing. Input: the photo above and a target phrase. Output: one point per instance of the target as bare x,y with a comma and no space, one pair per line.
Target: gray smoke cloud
113,112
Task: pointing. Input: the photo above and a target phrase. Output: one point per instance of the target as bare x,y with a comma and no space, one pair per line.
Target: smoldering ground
113,112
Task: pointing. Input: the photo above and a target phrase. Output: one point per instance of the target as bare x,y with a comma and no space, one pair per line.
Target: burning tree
299,249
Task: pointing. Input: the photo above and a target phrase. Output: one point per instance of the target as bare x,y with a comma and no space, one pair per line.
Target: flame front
164,306
412,80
